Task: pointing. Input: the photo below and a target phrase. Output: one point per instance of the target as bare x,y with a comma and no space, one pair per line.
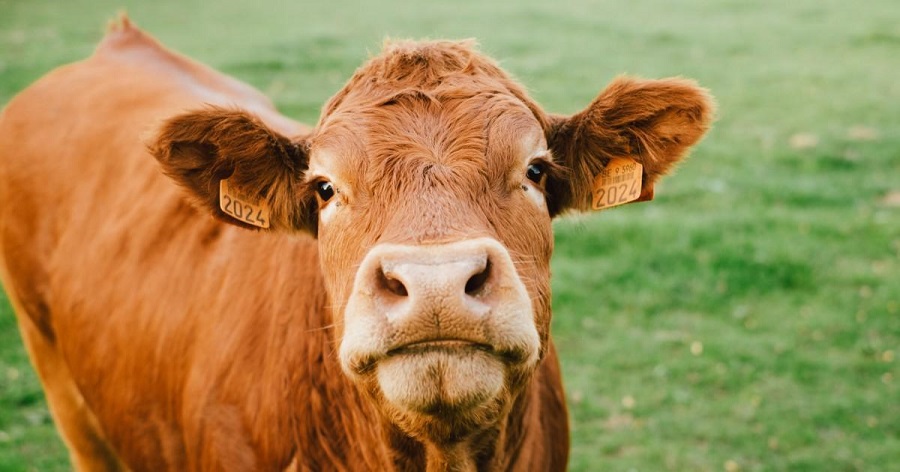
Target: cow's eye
325,190
535,172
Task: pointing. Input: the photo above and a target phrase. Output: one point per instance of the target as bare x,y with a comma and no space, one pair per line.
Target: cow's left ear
653,122
238,169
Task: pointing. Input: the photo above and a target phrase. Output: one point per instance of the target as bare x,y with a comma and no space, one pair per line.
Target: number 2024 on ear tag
617,184
241,208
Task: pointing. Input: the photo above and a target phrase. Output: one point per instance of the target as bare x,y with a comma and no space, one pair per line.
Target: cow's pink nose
431,282
472,270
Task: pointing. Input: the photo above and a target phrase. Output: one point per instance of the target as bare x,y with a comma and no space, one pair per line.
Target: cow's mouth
512,356
446,345
508,355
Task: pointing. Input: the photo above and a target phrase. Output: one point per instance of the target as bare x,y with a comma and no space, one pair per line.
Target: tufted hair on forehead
432,70
402,60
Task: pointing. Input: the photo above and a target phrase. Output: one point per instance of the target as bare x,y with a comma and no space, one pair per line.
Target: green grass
745,319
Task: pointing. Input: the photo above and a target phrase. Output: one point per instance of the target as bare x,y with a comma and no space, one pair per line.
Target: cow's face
435,243
430,182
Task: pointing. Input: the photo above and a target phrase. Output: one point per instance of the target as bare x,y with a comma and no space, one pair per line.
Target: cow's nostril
476,283
392,284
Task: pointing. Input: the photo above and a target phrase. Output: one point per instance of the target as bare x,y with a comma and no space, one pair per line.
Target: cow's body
219,335
167,340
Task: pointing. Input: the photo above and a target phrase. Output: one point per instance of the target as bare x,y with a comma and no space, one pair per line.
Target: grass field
747,319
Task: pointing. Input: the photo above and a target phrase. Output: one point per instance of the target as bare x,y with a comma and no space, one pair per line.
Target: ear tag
617,184
241,207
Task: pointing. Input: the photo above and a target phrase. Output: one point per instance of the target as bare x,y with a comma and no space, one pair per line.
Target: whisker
321,328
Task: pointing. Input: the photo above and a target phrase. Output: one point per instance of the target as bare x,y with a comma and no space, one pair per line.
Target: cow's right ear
263,170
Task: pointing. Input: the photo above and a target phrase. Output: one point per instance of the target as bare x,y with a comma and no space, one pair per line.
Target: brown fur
168,340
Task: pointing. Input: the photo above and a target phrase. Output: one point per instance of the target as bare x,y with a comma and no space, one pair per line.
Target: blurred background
746,319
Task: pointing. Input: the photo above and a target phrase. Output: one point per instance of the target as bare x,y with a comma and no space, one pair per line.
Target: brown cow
393,315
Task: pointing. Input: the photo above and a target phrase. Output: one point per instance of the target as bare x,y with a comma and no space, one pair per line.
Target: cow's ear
653,122
263,171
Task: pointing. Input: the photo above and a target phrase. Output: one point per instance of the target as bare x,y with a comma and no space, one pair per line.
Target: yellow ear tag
241,207
617,184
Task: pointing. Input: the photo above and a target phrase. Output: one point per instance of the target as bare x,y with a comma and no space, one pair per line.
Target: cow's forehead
420,109
489,133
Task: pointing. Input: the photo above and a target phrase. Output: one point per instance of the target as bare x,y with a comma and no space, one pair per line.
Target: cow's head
430,182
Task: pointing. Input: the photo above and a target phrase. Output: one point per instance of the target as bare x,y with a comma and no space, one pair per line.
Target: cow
204,284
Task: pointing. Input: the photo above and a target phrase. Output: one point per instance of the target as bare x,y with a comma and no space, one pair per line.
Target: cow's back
126,279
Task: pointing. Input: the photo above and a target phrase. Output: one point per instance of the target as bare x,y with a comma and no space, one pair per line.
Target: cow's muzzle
439,325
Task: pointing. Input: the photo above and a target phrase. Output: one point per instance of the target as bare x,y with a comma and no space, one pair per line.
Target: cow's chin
443,393
440,380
